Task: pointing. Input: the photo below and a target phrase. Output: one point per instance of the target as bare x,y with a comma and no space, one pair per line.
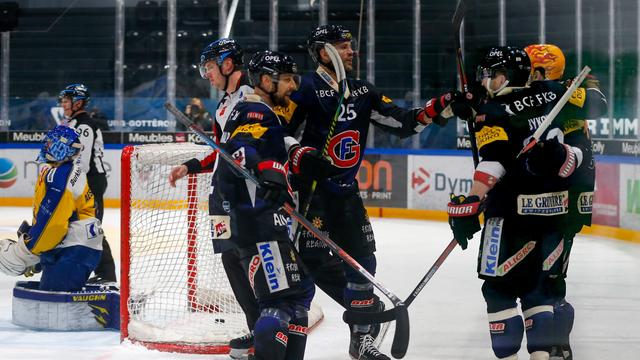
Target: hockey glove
308,162
15,258
552,158
464,218
273,181
439,109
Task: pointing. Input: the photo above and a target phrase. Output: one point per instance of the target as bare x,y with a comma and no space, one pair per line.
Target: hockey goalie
64,242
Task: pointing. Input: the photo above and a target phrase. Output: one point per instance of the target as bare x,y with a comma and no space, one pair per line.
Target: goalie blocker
95,307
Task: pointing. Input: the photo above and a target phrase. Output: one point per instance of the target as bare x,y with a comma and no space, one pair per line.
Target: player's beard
279,100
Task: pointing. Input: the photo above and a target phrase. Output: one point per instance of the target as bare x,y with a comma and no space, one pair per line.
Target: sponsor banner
430,180
19,172
383,181
613,147
109,137
605,199
630,196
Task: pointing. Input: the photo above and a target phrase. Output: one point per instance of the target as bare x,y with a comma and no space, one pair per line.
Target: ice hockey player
548,63
525,202
64,241
336,205
221,62
73,100
253,218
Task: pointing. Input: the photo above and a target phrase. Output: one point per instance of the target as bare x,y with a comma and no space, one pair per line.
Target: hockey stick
341,77
401,337
362,318
556,110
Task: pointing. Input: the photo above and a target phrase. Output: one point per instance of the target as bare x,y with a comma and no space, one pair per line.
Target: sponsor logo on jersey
547,204
585,202
360,91
491,246
325,93
220,227
253,268
359,304
255,130
298,329
255,115
92,230
489,134
85,298
273,266
535,100
282,338
286,112
239,156
514,260
386,100
553,257
496,327
578,97
279,220
8,173
344,149
226,206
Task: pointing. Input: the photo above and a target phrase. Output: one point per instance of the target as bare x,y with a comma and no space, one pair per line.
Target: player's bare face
212,72
68,106
347,53
287,84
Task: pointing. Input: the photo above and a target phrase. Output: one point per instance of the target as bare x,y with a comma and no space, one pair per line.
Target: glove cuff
462,210
296,155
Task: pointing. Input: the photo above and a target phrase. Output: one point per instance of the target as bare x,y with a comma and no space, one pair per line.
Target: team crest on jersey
239,157
344,149
220,227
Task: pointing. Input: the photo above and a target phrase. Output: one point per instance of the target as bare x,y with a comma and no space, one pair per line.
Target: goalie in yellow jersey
65,238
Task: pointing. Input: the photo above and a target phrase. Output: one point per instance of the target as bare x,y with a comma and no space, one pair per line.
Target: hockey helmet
75,92
549,57
218,51
331,34
60,144
272,63
512,61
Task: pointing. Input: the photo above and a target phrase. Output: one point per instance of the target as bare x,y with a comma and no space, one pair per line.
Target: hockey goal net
175,295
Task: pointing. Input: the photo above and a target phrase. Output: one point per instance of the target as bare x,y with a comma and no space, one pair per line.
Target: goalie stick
353,317
401,336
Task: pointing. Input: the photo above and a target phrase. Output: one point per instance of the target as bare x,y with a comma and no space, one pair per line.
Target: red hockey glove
552,158
464,218
274,185
308,162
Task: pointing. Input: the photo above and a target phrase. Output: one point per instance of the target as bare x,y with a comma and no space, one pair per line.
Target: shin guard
506,329
539,326
271,334
563,315
298,335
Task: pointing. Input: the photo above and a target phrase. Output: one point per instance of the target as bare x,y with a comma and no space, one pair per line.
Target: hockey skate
361,347
561,352
241,346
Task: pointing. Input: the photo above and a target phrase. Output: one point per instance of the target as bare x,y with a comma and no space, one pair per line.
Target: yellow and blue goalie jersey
64,214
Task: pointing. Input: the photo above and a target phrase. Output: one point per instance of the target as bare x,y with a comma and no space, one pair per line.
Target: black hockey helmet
512,61
218,51
326,34
75,92
271,63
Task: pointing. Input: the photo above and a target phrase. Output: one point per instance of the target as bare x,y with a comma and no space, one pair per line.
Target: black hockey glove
308,163
552,158
273,181
464,219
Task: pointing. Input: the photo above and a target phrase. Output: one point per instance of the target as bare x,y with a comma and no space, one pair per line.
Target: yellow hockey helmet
549,57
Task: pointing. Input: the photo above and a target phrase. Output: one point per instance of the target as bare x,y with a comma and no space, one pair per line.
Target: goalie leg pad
271,334
68,269
93,308
539,325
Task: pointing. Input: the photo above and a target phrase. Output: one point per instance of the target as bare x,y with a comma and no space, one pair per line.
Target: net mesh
178,291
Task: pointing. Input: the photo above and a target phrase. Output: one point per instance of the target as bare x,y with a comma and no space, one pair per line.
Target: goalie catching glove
464,213
273,181
308,162
15,258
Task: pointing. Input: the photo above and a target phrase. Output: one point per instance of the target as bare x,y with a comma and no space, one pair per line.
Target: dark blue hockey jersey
315,104
504,125
252,135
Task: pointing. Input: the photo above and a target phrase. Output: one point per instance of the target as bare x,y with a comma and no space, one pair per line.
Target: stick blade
458,15
401,336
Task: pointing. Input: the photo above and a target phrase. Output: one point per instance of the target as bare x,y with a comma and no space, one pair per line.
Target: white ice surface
448,319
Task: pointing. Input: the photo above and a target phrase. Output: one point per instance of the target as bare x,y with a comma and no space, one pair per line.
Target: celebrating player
336,205
221,63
